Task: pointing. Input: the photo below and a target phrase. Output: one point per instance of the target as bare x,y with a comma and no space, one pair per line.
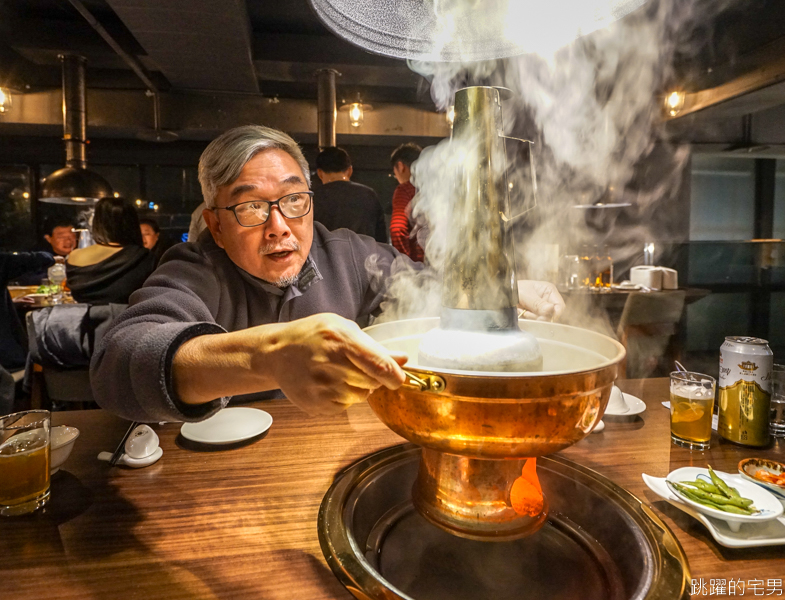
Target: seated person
13,337
266,300
340,202
151,237
117,264
60,235
60,239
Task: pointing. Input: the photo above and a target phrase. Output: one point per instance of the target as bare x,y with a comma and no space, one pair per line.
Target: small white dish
616,403
61,442
749,466
628,285
228,426
769,507
599,427
768,533
635,406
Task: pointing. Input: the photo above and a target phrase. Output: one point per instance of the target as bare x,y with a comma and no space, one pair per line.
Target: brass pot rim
527,325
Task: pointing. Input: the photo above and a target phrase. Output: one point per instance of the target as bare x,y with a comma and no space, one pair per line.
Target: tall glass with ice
24,462
692,405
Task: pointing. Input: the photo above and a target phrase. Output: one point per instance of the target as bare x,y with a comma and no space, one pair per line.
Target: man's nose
276,225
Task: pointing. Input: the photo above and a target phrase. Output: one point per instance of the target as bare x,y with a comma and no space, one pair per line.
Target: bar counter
240,522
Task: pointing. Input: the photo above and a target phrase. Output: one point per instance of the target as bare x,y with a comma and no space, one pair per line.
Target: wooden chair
647,329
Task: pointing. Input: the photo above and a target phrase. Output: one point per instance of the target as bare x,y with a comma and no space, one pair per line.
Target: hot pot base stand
599,542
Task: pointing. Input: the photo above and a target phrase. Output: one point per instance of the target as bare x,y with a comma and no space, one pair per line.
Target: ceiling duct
74,184
465,30
326,107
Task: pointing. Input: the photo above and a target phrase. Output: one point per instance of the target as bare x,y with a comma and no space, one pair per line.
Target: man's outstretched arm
322,363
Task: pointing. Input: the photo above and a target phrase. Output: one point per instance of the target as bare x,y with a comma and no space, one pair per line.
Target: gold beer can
745,390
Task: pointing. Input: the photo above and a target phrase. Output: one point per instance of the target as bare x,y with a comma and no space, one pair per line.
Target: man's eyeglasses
256,212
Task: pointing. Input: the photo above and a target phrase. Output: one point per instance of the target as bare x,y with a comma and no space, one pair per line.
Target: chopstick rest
141,449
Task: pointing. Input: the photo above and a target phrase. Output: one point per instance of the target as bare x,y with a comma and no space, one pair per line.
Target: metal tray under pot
600,541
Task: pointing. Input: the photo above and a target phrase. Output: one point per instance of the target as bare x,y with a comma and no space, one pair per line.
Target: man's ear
349,172
320,175
48,238
214,225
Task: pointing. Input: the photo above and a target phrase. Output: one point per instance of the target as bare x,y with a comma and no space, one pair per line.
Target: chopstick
119,451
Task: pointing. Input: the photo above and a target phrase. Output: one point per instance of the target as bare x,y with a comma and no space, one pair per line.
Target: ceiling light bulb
138,202
155,207
674,102
356,114
5,100
25,194
117,194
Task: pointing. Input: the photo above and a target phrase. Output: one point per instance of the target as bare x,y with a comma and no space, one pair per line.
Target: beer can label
744,395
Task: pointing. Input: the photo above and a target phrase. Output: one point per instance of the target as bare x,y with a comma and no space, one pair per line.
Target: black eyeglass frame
272,203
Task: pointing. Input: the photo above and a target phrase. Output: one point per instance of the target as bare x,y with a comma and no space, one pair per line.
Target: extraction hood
465,30
74,184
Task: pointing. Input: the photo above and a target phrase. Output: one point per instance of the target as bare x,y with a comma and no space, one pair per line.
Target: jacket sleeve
381,224
131,370
16,264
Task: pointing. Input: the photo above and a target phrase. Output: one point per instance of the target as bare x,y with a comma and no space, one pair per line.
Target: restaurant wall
746,278
162,174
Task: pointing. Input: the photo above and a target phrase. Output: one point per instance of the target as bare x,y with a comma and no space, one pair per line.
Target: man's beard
287,280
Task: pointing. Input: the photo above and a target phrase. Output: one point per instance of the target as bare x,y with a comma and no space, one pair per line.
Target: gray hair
222,161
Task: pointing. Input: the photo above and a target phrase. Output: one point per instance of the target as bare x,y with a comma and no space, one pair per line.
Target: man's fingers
400,357
374,360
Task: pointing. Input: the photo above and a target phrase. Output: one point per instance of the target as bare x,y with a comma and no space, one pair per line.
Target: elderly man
265,300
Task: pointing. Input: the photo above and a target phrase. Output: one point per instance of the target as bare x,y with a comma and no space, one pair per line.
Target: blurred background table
650,325
240,523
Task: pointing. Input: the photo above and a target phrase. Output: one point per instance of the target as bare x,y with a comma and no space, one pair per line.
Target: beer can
745,390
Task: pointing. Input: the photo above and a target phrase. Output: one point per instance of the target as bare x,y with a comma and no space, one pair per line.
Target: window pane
723,198
16,221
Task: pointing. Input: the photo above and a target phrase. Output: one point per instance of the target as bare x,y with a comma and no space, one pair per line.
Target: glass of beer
692,406
24,462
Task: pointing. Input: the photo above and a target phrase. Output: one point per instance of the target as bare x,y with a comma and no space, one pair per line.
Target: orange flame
526,494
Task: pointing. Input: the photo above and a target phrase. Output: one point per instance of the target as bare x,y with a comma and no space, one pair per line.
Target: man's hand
324,363
540,300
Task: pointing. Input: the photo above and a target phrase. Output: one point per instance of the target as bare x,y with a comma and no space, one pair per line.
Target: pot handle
426,383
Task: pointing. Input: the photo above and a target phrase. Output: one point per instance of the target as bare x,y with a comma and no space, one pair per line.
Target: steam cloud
592,109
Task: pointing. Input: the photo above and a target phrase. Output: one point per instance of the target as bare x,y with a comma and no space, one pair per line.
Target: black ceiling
274,47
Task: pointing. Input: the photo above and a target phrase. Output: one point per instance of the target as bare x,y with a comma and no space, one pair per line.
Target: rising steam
592,108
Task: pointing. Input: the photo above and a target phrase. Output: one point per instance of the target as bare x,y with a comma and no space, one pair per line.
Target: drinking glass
570,271
777,415
692,405
24,462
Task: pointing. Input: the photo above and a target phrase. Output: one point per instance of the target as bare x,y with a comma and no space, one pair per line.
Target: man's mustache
292,246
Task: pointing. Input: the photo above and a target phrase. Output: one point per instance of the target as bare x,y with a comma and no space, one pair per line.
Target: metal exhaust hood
74,184
462,30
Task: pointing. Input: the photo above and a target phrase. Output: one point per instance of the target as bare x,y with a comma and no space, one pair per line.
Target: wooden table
241,523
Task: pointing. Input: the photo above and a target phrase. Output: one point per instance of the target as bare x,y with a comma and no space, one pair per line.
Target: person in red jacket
400,221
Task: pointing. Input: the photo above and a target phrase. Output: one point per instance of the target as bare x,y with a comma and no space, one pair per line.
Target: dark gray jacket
198,290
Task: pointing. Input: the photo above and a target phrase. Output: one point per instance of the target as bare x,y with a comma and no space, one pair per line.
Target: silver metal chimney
75,184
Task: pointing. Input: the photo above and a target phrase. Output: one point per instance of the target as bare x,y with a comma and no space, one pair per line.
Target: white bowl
764,501
62,442
749,466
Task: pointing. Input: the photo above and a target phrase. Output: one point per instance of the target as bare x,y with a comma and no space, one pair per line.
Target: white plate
228,426
764,531
636,407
